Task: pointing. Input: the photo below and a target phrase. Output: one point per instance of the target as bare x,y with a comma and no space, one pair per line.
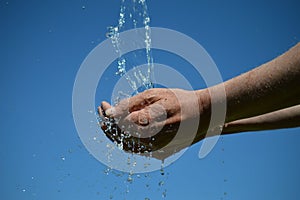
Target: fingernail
143,121
109,112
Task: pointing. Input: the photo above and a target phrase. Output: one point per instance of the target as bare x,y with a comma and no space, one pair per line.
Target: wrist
204,102
213,106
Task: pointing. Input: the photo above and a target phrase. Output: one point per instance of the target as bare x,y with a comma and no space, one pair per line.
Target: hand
160,121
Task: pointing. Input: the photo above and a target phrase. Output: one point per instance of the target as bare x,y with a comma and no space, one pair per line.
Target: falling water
133,14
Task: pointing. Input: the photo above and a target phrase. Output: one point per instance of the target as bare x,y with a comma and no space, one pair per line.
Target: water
133,14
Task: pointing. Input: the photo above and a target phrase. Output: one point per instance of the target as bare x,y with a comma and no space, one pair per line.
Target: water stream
133,14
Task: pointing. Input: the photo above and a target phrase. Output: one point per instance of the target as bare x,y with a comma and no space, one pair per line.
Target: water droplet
147,175
83,7
162,172
112,33
164,194
24,190
161,183
146,20
134,163
129,179
63,158
120,146
128,161
106,171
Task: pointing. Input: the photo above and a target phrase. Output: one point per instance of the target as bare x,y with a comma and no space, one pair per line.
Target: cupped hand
158,121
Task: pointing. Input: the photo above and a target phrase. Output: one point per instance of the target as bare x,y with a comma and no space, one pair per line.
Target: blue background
42,45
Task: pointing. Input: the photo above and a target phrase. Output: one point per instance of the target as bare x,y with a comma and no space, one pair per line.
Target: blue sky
43,44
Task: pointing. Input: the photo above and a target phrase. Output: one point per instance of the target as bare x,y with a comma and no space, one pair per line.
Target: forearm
270,87
285,118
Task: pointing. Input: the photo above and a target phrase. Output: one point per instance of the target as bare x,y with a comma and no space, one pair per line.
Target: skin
284,118
156,114
267,97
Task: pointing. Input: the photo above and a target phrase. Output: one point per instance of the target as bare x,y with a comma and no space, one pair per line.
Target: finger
141,118
161,130
150,130
135,103
143,131
107,125
157,112
127,106
100,112
101,109
142,100
148,115
102,116
102,119
106,107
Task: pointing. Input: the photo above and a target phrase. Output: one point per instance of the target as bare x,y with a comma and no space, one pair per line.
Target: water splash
133,14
